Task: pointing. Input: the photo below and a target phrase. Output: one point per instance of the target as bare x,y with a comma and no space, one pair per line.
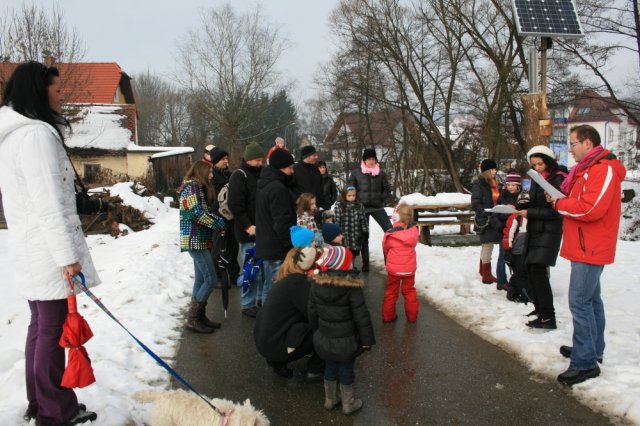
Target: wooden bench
426,217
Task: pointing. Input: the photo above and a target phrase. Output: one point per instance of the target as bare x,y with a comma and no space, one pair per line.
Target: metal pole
543,65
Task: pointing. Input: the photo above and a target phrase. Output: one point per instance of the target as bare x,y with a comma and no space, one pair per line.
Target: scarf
373,171
495,192
583,164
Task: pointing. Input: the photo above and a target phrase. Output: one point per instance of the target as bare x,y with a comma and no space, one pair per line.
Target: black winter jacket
544,226
339,314
329,191
282,321
307,178
487,225
275,214
372,190
243,189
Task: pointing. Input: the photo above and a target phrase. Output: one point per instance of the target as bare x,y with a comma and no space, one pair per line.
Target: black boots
202,309
197,321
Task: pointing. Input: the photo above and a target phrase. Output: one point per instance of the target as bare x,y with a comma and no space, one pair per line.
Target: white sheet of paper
546,186
501,208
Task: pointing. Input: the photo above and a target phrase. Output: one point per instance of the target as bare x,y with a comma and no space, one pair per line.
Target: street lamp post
285,132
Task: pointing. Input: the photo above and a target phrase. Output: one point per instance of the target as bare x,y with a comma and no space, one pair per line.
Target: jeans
380,216
587,311
44,363
205,274
342,371
501,270
250,297
270,269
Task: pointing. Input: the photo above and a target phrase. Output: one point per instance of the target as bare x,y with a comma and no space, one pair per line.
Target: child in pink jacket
399,247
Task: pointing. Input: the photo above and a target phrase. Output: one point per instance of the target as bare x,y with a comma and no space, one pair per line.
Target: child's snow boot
350,404
331,398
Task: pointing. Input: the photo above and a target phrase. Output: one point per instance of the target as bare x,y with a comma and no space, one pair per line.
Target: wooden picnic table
428,216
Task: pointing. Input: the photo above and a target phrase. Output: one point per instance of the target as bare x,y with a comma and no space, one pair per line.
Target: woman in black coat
282,332
484,195
544,231
329,188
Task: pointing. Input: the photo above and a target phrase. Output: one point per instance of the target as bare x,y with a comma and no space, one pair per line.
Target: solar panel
547,18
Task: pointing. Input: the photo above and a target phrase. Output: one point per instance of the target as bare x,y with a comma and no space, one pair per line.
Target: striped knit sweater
197,223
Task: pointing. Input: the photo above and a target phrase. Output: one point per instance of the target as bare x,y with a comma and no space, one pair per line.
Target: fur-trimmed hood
338,279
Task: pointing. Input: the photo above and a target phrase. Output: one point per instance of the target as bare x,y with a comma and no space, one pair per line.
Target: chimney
48,59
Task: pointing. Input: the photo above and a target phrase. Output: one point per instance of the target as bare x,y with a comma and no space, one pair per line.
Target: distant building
618,132
100,106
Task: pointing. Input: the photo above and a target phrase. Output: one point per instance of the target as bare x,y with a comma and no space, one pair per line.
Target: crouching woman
282,333
197,225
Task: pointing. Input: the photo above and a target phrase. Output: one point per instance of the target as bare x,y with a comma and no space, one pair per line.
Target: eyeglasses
572,144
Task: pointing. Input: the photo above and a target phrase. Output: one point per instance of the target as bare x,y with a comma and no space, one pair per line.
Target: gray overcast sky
143,34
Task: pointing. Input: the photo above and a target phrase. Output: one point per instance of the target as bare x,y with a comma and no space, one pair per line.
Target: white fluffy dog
180,408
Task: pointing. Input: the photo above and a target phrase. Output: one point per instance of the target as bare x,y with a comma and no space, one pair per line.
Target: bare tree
33,33
229,61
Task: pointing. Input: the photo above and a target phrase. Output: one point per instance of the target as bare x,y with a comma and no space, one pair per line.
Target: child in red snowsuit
399,247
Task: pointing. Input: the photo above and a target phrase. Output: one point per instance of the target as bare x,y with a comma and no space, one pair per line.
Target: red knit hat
514,177
336,258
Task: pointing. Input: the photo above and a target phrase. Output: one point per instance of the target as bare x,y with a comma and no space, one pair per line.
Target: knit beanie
487,164
514,177
217,154
541,149
252,151
369,153
307,151
336,258
280,159
330,231
301,236
304,257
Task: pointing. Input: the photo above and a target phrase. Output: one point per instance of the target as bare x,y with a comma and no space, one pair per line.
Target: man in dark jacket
221,173
307,177
275,214
243,190
373,189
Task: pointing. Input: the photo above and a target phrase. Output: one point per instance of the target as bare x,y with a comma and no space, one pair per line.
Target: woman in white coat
44,232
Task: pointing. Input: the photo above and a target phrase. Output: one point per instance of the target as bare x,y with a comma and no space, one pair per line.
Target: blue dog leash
80,281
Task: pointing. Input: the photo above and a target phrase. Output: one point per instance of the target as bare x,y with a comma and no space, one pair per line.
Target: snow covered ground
146,284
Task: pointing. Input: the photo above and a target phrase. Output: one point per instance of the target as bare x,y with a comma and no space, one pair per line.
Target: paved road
432,372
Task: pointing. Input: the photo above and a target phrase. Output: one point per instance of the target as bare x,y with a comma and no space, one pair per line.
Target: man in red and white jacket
591,213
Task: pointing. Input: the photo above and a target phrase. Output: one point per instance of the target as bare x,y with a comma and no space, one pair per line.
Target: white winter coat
38,195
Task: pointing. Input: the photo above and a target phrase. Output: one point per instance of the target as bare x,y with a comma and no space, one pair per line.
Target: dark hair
27,94
551,163
199,172
342,199
584,131
321,164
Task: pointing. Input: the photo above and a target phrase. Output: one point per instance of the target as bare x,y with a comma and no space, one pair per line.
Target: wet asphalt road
431,372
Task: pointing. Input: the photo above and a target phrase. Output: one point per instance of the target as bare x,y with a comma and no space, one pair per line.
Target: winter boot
487,277
193,321
202,309
331,398
350,404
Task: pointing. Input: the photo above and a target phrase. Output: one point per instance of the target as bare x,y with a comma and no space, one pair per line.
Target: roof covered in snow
99,126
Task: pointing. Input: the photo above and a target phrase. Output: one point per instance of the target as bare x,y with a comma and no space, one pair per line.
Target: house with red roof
100,105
